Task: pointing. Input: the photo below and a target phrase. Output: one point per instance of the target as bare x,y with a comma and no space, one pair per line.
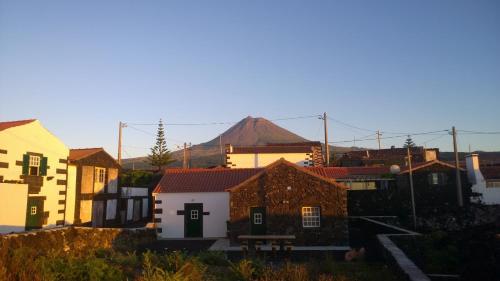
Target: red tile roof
10,124
490,172
79,153
202,180
218,180
421,165
346,172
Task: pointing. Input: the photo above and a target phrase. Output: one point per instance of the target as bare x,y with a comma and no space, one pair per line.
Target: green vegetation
109,264
136,178
160,156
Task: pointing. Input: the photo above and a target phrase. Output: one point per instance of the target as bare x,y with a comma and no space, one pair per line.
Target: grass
107,264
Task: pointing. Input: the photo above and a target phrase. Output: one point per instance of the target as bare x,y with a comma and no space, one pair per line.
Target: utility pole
184,154
221,154
327,147
120,126
378,139
189,156
410,173
457,169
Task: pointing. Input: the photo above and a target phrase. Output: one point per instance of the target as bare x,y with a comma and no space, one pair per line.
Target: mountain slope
249,131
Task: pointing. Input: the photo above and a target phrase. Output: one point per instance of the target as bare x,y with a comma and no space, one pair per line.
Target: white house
304,154
485,180
194,203
33,177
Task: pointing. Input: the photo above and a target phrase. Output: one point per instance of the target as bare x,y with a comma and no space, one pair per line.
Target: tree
409,142
160,156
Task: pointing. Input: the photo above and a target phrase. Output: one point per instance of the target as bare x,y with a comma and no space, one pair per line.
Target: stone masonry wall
284,206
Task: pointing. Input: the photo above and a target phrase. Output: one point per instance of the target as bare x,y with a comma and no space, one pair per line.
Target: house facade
134,204
194,202
285,199
93,180
305,154
282,198
435,185
387,157
485,181
33,178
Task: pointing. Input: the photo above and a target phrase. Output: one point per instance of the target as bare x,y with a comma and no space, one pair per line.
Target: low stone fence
78,240
393,253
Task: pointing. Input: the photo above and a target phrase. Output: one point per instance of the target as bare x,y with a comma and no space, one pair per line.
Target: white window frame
100,175
34,162
311,217
33,210
257,218
194,214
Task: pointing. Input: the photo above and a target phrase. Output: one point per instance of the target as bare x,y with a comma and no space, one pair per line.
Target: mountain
249,131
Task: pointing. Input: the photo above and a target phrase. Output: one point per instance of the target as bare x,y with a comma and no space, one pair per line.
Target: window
493,184
310,217
194,214
34,165
437,178
257,218
361,185
100,175
33,210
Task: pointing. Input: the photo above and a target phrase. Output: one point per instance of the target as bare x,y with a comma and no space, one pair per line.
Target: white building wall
214,225
13,202
33,137
490,196
257,160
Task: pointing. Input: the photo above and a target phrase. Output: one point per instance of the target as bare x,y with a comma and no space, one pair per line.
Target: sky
80,67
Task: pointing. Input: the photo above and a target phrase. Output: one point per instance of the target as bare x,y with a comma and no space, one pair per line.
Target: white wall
134,191
111,209
13,202
263,159
33,137
214,225
490,196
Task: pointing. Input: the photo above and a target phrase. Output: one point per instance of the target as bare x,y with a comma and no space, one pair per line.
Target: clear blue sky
398,66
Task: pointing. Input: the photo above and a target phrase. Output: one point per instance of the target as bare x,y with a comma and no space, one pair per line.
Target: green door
193,220
34,213
257,220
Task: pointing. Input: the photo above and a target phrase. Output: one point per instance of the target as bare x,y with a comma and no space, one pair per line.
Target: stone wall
78,240
283,190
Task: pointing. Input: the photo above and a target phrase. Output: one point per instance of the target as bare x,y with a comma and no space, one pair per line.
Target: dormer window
34,165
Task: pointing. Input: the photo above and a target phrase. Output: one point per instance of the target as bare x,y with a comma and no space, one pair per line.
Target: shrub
213,258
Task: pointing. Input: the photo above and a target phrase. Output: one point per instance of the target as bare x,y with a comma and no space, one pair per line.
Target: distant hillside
249,131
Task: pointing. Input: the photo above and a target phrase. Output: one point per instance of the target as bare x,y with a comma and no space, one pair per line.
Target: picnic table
283,242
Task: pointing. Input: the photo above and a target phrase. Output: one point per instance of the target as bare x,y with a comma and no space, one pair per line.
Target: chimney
472,163
229,148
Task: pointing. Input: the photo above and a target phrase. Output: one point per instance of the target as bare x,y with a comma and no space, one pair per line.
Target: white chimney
473,172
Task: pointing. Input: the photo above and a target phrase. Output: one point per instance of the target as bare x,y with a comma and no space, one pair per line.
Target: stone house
434,185
278,199
387,157
287,199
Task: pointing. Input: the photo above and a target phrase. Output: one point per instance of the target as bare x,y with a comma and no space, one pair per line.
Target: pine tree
409,142
160,156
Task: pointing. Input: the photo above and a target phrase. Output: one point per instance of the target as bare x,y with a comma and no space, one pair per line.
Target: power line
392,137
478,132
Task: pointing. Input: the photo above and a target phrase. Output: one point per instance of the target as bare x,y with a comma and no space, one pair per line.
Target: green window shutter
43,166
26,164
